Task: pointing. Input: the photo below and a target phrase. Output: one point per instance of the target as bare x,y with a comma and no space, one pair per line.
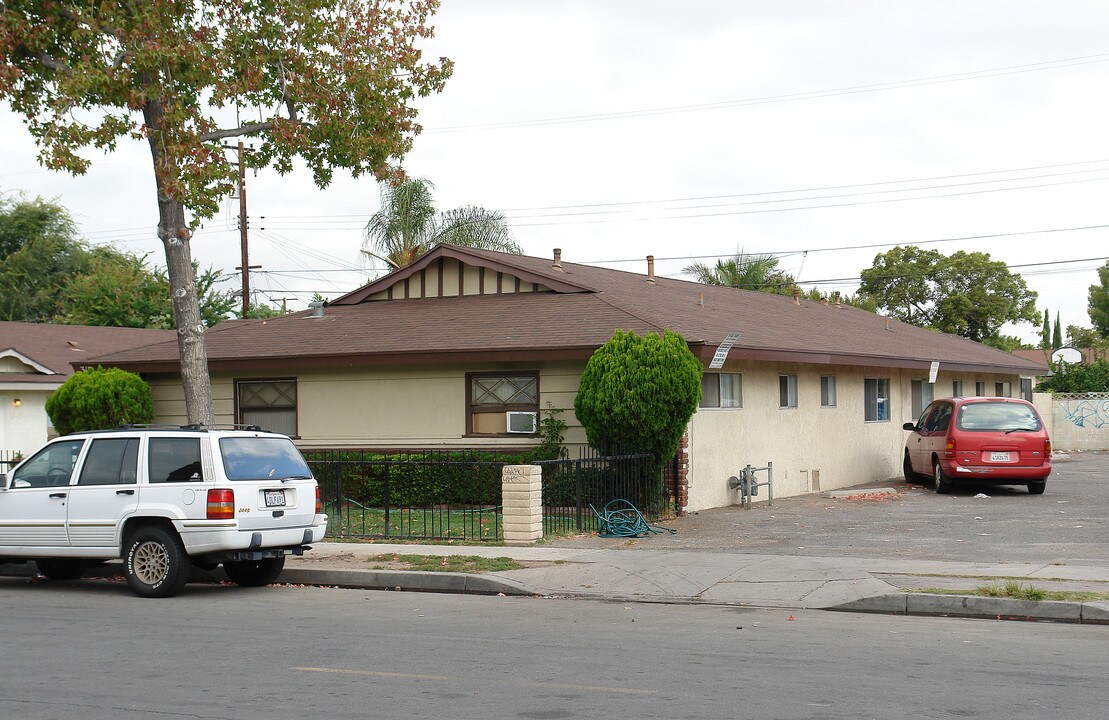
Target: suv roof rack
196,427
222,426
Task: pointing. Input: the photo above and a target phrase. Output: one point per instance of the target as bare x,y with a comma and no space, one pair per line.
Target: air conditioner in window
521,422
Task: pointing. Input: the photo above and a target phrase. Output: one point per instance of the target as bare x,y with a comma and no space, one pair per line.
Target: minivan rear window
262,458
997,417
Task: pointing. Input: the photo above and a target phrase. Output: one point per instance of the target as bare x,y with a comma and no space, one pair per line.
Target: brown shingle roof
572,323
57,346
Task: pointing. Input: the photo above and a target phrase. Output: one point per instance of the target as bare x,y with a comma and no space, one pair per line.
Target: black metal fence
435,495
9,459
573,488
456,495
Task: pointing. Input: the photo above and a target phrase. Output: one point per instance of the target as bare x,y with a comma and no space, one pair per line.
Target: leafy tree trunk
175,235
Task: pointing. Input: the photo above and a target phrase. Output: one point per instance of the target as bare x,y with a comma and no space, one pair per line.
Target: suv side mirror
909,426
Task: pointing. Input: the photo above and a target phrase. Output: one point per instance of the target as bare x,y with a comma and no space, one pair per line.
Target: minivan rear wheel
1037,488
940,482
910,476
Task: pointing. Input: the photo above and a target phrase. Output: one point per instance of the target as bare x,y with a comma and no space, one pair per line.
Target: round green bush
638,393
99,398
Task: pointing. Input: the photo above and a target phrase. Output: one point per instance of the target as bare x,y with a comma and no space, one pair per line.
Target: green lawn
357,520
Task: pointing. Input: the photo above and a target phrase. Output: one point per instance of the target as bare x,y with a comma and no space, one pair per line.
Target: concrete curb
444,582
972,606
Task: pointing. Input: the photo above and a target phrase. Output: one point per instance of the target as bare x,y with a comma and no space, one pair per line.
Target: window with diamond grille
269,404
490,396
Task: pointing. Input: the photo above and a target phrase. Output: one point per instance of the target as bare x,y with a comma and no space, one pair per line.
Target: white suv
162,500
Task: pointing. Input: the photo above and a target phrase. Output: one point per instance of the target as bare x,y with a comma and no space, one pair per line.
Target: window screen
269,404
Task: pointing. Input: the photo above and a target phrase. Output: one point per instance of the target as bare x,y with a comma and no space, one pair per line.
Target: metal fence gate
572,488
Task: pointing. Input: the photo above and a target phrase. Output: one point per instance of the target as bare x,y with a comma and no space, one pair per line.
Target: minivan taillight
1047,451
949,448
221,504
319,505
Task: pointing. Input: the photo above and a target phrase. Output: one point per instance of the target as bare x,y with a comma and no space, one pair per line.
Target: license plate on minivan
994,457
276,498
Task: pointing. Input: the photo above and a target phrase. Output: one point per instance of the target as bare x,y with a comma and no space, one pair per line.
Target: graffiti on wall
1088,410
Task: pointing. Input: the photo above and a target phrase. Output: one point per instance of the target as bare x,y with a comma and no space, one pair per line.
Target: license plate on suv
994,457
276,498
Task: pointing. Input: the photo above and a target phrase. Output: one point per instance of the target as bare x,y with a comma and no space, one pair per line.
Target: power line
791,97
786,253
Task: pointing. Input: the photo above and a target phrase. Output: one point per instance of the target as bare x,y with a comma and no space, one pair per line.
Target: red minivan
989,440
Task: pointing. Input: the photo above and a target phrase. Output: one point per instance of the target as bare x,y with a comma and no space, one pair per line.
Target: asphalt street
93,652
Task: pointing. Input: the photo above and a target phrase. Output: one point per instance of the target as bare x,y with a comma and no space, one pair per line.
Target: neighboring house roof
572,311
42,354
1038,355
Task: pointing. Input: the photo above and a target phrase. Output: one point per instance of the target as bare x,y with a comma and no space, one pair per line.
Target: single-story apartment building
36,358
447,352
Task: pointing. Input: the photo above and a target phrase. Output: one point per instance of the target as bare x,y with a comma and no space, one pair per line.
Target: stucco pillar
522,503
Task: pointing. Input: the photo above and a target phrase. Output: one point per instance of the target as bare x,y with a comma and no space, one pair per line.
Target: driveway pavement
1067,524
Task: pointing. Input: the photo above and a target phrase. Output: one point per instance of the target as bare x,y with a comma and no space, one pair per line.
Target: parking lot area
1067,524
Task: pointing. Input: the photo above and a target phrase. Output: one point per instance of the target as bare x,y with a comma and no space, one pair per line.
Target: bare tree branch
53,63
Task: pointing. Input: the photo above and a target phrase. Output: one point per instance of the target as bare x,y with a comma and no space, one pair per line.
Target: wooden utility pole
242,231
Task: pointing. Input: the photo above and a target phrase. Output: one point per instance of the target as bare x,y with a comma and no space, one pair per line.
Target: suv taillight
1047,451
319,505
221,504
949,448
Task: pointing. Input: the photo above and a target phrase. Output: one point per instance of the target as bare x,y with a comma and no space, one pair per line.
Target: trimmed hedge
412,479
98,399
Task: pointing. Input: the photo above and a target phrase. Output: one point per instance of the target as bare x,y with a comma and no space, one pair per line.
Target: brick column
522,502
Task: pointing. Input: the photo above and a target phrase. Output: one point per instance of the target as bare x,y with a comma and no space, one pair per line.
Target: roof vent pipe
824,301
700,299
837,298
796,295
557,259
317,309
651,268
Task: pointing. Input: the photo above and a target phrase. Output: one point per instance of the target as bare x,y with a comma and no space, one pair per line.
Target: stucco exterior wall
23,429
813,448
419,407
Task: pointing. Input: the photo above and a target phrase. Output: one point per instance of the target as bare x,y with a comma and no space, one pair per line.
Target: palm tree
746,272
407,226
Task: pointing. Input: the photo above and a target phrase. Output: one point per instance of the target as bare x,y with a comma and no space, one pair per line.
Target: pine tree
1057,337
1045,336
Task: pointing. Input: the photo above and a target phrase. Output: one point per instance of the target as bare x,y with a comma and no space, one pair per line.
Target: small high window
921,391
827,391
876,399
787,391
721,390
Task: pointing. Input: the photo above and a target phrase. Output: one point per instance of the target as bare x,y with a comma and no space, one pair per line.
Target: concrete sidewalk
721,578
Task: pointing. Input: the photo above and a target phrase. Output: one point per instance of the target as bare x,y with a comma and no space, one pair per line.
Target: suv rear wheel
155,562
254,573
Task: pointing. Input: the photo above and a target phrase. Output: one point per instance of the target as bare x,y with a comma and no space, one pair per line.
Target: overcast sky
615,129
